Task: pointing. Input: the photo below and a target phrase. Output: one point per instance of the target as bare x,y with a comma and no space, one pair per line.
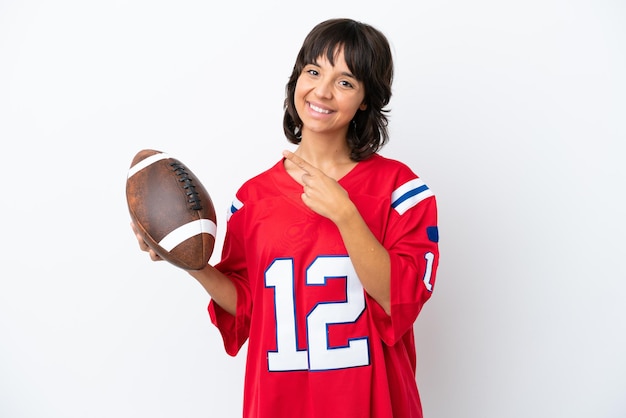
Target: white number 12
320,355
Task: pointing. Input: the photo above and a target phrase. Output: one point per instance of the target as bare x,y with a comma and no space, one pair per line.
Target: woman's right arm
219,287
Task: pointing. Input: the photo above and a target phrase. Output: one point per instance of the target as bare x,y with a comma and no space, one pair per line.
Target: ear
363,106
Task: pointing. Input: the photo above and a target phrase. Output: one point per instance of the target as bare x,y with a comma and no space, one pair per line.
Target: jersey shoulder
265,185
396,178
391,166
387,174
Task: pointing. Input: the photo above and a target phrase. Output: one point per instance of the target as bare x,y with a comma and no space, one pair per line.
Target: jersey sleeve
234,329
412,242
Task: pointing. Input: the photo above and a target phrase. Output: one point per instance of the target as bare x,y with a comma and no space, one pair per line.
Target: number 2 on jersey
319,355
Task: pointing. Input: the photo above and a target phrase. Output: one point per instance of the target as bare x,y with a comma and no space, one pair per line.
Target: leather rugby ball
171,209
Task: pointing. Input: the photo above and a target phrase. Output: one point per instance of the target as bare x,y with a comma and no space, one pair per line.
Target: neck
321,149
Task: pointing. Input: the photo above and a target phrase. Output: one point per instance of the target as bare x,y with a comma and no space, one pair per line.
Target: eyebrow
350,76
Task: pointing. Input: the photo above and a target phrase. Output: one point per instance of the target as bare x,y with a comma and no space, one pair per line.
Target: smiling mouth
319,109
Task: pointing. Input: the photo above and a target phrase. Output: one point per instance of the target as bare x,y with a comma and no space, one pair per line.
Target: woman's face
327,97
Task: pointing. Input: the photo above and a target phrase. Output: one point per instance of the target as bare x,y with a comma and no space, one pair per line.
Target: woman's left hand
321,193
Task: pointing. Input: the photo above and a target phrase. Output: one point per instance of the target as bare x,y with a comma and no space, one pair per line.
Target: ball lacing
193,198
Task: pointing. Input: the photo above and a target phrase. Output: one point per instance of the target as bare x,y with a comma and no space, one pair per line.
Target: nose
324,89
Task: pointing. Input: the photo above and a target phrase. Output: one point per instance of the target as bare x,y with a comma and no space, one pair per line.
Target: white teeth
320,110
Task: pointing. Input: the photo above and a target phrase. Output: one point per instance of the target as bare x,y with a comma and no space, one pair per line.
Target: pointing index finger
298,161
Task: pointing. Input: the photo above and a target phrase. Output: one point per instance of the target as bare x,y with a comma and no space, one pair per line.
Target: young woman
331,253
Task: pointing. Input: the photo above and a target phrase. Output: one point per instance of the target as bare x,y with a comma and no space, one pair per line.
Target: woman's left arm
325,196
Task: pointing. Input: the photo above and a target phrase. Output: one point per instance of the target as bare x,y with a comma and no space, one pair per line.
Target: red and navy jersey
318,345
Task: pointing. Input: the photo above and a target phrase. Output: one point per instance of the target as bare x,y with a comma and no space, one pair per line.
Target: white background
512,112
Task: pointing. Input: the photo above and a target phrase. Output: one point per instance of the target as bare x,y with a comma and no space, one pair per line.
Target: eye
311,70
346,83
